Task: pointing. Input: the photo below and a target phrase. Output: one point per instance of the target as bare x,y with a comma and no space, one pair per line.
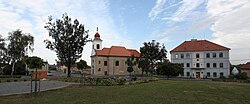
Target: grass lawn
159,92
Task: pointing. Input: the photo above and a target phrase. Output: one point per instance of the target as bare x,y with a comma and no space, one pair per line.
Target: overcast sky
129,23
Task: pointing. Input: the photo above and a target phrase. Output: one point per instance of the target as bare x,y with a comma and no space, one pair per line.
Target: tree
169,69
82,64
153,53
34,62
68,40
131,62
2,49
144,65
19,44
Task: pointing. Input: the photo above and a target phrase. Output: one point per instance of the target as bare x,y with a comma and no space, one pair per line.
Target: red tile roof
246,66
117,51
198,45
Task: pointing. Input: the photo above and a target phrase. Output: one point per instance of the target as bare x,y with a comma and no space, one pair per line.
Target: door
197,75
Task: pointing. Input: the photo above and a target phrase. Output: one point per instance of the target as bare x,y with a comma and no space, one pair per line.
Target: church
110,61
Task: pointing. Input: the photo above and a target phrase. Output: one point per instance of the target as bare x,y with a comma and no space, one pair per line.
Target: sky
129,23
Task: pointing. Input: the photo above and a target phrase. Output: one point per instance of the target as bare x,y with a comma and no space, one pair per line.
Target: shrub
242,76
25,80
98,81
121,81
0,81
15,80
8,81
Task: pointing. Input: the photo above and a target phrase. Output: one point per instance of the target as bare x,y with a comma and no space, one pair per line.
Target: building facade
246,68
110,61
202,59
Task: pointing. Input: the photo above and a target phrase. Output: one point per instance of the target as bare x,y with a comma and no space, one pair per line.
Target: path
9,88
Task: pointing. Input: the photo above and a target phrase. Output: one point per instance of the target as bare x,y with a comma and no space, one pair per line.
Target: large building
202,59
110,61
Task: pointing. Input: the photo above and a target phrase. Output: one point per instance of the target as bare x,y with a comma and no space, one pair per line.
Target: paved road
9,88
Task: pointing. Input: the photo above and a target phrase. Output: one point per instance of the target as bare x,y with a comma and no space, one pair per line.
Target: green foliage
169,69
144,65
153,52
82,64
242,76
131,61
34,62
68,39
19,44
19,69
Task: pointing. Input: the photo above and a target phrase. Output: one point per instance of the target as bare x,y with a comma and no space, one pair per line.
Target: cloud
157,9
232,26
31,16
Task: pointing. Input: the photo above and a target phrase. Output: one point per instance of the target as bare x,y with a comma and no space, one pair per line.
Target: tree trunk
13,69
69,71
142,73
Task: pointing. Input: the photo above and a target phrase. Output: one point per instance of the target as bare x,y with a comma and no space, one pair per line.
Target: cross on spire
97,29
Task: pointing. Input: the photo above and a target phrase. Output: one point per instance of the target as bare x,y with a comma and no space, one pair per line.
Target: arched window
98,46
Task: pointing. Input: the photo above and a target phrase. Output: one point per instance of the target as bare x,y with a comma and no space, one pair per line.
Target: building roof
198,45
246,66
117,51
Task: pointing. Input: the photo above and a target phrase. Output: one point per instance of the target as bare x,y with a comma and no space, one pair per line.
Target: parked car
49,73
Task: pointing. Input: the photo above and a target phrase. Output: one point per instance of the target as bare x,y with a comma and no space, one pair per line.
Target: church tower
97,43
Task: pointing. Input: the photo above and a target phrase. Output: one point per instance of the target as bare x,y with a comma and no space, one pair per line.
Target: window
208,65
116,63
187,55
197,65
182,55
105,63
214,55
182,64
221,65
176,56
98,46
188,73
99,69
220,54
214,65
197,55
93,61
221,74
208,55
208,74
188,65
99,62
214,74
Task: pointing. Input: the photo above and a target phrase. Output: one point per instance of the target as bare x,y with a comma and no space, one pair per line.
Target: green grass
159,92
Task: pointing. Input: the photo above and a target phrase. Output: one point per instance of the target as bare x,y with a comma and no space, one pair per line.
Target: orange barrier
40,74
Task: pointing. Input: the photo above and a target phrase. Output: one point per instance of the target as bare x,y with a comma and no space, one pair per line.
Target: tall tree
68,40
20,43
131,62
2,49
153,53
169,69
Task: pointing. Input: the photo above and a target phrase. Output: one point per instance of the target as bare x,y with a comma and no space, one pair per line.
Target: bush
8,81
25,80
0,81
121,81
242,76
15,80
